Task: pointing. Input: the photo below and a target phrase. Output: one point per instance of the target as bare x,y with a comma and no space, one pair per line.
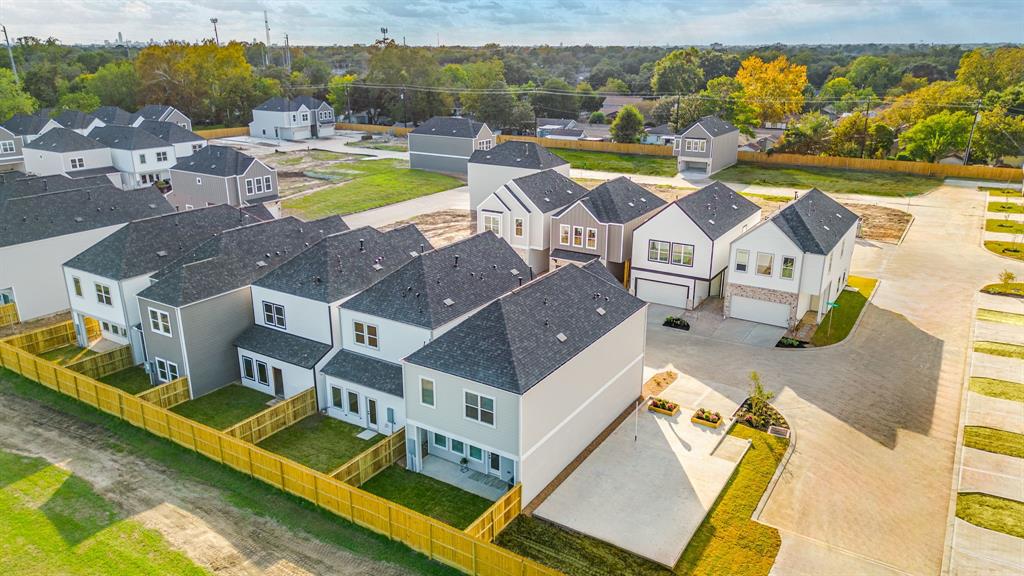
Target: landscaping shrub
676,322
707,415
786,342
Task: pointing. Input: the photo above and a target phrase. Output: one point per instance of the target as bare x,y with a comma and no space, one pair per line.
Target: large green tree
678,73
628,125
115,84
13,100
495,108
557,100
809,134
997,135
337,92
937,136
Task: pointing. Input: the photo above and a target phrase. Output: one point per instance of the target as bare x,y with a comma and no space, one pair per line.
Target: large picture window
479,408
657,251
492,223
682,254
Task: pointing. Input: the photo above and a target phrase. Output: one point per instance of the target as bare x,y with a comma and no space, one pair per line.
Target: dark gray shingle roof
294,350
563,254
716,209
115,115
664,129
550,190
598,269
278,104
17,184
170,132
74,119
449,126
341,265
216,161
815,222
26,124
432,289
619,201
126,138
560,122
518,155
570,132
513,343
154,111
361,369
713,125
63,140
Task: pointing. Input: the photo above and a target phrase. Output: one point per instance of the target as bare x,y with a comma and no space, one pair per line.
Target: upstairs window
682,254
591,238
268,184
259,185
103,294
160,322
161,156
788,266
249,187
657,251
427,392
273,314
77,163
563,234
492,223
479,408
742,260
577,236
78,285
366,335
765,264
142,158
7,147
519,227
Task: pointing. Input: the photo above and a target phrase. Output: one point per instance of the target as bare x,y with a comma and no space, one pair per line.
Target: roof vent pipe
456,260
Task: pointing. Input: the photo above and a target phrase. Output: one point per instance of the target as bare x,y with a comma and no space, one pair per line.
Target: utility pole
287,53
864,138
266,48
216,37
970,139
384,33
10,54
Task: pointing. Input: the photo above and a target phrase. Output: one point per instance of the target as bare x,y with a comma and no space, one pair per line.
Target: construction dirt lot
442,227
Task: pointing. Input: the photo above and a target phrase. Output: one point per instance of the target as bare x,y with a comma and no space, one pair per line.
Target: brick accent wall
765,294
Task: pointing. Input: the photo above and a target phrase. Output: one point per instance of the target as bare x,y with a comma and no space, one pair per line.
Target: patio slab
471,481
985,552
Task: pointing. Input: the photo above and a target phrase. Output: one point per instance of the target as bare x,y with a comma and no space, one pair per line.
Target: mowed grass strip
132,380
318,441
1006,207
1000,316
995,441
1009,249
445,502
1010,289
991,512
996,388
830,180
1003,192
622,163
1004,226
52,522
1000,349
838,322
225,406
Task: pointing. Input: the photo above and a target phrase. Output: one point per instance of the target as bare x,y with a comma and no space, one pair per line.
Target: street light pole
216,37
10,55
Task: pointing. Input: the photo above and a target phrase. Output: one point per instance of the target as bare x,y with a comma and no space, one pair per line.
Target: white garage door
759,311
662,293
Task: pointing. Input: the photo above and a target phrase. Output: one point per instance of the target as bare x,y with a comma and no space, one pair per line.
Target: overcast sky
474,22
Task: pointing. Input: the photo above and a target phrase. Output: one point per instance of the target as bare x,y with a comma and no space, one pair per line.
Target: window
259,185
563,234
273,314
788,265
591,238
476,453
160,322
293,117
189,206
148,178
249,191
199,180
440,440
764,264
161,156
366,334
458,446
742,259
77,163
336,398
262,373
142,158
519,227
676,144
353,402
103,294
696,145
268,184
7,147
305,116
682,254
657,251
483,144
105,325
197,147
248,368
426,391
78,286
577,236
166,371
492,223
479,408
830,261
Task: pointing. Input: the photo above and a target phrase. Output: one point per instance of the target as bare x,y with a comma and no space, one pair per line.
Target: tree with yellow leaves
773,89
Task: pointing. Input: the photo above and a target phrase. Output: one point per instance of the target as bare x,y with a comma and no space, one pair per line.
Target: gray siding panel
178,118
187,191
211,327
258,170
441,145
158,345
577,215
444,164
614,235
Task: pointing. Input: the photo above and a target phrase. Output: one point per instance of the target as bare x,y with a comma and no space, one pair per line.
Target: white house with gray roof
162,113
707,146
522,386
219,174
185,142
298,118
26,126
680,254
11,155
81,122
296,309
445,144
64,151
115,115
796,261
489,170
142,158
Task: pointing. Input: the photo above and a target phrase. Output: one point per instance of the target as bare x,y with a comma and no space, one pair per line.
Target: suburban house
297,321
11,155
163,113
298,118
26,126
64,151
219,174
197,306
659,135
140,157
184,141
415,304
601,224
76,120
707,146
445,144
520,213
490,169
762,144
40,230
792,263
115,115
566,134
611,105
102,282
520,388
680,254
545,125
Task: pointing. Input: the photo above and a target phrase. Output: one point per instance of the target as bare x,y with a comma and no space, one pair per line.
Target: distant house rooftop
216,161
452,126
518,155
64,140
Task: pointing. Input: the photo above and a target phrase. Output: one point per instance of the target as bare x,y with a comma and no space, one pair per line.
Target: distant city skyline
526,22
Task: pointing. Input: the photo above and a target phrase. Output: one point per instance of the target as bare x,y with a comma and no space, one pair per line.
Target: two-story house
521,387
64,151
102,281
296,307
81,122
520,213
707,146
184,141
198,305
11,156
489,170
115,115
26,126
796,261
680,254
140,157
601,224
298,118
162,113
445,144
219,174
423,299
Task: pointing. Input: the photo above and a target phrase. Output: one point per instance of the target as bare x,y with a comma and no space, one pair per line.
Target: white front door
494,464
371,414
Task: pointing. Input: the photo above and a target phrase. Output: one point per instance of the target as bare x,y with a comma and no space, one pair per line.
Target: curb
756,516
852,330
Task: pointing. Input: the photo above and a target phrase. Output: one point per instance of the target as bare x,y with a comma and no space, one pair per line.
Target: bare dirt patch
659,382
442,227
43,322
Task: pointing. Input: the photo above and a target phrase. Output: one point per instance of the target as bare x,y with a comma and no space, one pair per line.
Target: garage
657,292
759,311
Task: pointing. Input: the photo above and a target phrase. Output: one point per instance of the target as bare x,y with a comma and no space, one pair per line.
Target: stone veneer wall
765,294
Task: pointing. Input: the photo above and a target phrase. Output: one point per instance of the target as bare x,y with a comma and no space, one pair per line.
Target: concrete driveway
707,321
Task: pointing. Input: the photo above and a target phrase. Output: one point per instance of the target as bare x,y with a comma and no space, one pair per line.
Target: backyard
624,163
320,442
837,324
445,502
994,440
67,354
996,388
830,180
225,406
132,380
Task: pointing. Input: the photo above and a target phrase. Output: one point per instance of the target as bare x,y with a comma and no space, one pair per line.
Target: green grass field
830,180
434,498
1003,192
320,442
370,184
993,440
224,407
52,522
836,325
1005,226
1000,349
1011,289
623,163
1009,249
1003,389
991,512
1006,207
132,380
393,146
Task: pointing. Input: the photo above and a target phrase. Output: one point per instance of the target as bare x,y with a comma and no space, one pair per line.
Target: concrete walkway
456,198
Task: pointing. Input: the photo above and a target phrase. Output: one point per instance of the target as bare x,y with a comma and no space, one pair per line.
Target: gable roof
40,216
550,190
126,138
63,140
366,370
343,264
571,132
518,155
279,104
145,246
555,122
155,111
443,284
283,346
115,115
619,201
521,338
716,209
664,129
74,119
595,267
26,124
216,161
453,126
16,184
612,104
236,258
815,222
170,132
713,125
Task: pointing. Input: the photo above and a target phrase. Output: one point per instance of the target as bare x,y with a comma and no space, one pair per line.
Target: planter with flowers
706,417
662,406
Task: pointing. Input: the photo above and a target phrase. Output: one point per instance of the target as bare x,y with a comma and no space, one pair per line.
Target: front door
278,383
371,413
494,464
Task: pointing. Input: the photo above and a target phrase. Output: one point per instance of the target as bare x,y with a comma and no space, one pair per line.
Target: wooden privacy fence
374,128
52,337
592,145
435,539
498,516
223,132
868,164
257,428
167,395
8,314
373,460
103,364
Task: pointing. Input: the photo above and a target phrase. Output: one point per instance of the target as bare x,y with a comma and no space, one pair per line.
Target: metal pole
266,49
10,54
864,139
970,139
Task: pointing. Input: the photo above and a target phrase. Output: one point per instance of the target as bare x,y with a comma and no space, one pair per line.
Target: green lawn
727,542
1000,316
1011,289
624,163
434,498
236,490
1008,249
1000,349
1006,207
320,442
830,180
52,522
997,388
1005,192
1005,226
67,354
132,380
372,183
224,407
993,440
838,322
991,512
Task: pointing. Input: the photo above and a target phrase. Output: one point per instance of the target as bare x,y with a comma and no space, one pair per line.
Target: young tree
678,73
115,84
760,399
937,135
337,92
809,134
628,125
773,89
1007,277
596,117
522,118
13,100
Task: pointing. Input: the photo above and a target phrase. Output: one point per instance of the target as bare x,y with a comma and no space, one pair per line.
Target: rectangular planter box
652,408
696,420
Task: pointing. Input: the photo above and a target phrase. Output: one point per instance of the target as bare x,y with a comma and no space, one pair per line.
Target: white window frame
349,396
792,268
259,184
142,158
479,407
340,403
248,369
8,147
199,180
435,436
365,334
161,156
591,235
655,247
268,184
492,223
451,446
564,234
677,144
469,453
77,163
249,187
103,294
163,373
484,144
274,315
433,392
263,379
305,116
519,227
581,231
162,323
745,263
771,264
197,147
